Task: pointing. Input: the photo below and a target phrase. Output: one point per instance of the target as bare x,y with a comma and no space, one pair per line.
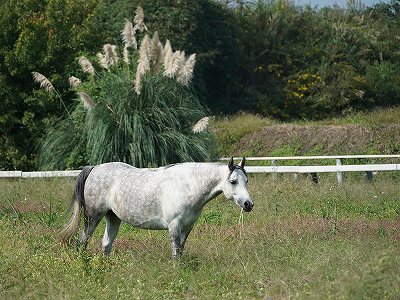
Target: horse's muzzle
248,206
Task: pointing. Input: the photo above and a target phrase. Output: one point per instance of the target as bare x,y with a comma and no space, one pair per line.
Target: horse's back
131,193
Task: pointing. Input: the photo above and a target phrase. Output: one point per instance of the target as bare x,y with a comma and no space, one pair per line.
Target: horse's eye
233,181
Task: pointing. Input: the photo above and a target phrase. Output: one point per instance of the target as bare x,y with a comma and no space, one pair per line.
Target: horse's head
235,186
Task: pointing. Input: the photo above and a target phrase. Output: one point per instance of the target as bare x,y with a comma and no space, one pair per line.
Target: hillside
376,132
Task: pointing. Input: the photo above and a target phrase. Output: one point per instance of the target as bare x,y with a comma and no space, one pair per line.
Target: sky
342,3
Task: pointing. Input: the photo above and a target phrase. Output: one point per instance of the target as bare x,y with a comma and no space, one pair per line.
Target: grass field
302,241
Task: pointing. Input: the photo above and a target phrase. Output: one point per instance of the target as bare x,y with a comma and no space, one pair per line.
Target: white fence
274,168
338,168
20,174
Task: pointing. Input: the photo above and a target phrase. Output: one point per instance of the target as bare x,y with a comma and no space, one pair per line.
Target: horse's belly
150,218
156,224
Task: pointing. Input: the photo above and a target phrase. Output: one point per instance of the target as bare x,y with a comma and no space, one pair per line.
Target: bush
139,110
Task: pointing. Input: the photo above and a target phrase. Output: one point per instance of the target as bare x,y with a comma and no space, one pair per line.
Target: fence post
274,163
370,176
314,178
296,177
340,175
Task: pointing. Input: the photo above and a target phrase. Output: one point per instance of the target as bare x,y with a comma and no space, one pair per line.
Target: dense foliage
307,63
270,57
42,36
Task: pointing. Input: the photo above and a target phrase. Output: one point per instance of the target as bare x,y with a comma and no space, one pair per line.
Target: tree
35,35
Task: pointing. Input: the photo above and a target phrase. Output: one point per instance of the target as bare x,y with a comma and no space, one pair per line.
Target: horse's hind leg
89,225
111,231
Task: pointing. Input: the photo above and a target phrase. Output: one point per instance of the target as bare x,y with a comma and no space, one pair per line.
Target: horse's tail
78,200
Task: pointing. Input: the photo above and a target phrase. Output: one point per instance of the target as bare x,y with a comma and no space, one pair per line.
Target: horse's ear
243,162
231,165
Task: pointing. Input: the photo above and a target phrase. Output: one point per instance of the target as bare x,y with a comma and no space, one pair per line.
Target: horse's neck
211,180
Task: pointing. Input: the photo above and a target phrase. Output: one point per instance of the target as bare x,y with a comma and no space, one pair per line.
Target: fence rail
339,168
274,168
43,174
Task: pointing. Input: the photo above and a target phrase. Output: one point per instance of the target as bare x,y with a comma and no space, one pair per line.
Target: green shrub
139,110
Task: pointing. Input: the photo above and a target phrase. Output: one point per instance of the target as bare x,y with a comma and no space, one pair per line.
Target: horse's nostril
248,206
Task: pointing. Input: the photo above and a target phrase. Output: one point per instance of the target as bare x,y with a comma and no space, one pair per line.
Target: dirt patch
321,139
26,207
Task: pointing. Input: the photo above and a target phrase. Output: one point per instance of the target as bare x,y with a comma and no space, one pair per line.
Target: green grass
375,117
302,241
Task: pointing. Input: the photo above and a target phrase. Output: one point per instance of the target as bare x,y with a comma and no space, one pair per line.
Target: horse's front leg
175,233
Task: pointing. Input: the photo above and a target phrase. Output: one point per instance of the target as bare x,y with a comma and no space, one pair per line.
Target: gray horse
170,197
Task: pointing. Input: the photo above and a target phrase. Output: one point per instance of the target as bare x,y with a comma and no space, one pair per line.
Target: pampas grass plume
74,81
173,65
87,101
156,52
185,73
201,125
86,65
101,59
43,81
128,35
168,56
144,63
139,19
126,55
110,54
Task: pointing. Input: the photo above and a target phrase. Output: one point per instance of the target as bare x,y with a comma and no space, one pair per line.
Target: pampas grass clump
137,107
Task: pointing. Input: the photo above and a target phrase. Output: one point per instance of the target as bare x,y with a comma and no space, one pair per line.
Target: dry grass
363,133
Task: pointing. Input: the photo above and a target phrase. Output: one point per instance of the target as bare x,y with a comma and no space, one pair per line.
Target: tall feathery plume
87,101
144,63
168,56
86,65
185,73
139,20
110,53
128,35
156,52
144,59
126,55
201,125
138,82
101,59
74,81
43,81
182,59
160,57
173,65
